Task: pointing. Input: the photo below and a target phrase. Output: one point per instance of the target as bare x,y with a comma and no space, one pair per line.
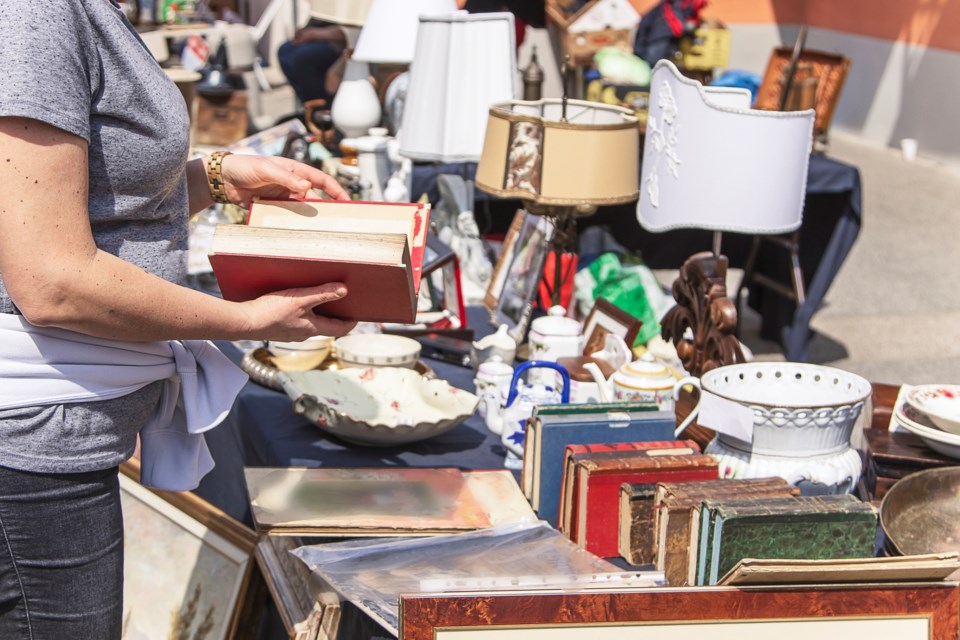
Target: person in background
313,62
100,342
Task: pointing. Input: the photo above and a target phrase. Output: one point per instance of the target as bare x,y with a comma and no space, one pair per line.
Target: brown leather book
677,528
597,489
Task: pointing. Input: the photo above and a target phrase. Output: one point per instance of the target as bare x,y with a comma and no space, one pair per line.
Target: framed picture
852,612
523,275
604,318
499,276
188,567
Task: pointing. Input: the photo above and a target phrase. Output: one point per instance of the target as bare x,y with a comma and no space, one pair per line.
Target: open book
374,248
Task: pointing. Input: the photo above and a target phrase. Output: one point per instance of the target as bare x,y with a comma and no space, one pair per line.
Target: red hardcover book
375,248
598,489
573,453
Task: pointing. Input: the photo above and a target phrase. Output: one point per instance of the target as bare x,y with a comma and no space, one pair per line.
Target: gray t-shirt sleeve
49,63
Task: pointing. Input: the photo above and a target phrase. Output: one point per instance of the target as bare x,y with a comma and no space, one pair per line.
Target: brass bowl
921,513
258,364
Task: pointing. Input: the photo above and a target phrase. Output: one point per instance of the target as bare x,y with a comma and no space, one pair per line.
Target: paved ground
893,312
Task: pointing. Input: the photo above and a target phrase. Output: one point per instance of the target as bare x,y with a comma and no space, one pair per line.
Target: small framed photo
605,317
523,275
189,568
495,287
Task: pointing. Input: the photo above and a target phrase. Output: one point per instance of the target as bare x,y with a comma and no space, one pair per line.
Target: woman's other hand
246,176
289,315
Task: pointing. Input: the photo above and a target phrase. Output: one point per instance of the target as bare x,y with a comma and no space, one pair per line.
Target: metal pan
921,513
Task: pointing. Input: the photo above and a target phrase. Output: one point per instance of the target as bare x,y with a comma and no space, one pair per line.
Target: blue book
553,427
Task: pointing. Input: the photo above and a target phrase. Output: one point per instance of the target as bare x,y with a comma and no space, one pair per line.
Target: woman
96,191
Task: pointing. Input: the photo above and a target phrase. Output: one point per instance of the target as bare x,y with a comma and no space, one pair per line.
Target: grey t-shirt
80,66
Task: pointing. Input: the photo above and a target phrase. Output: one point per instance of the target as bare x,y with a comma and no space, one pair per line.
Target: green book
805,527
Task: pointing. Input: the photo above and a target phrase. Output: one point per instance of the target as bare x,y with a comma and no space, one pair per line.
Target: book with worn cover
598,489
674,531
920,568
553,427
374,248
382,501
573,453
804,527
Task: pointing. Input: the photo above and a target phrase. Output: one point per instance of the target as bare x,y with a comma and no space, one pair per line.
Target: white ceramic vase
356,107
803,417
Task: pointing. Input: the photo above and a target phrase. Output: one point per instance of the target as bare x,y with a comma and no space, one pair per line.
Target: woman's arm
57,276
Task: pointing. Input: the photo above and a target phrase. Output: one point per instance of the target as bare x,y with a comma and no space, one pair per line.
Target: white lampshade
463,64
389,35
351,13
711,162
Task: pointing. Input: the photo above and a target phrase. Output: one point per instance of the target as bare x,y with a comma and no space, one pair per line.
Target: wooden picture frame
605,317
189,569
523,274
499,276
308,608
853,612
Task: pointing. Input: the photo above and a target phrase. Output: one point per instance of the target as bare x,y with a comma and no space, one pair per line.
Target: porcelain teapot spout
604,385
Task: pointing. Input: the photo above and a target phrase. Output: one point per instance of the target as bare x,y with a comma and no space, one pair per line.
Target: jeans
61,555
305,67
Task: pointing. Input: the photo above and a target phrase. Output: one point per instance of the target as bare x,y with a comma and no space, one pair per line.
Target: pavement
892,313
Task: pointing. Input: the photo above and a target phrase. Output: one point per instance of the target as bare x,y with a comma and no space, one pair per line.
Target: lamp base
704,308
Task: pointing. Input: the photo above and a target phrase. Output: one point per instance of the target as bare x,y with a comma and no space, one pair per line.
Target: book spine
635,540
599,535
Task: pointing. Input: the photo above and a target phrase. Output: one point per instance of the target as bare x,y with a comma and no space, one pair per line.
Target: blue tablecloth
263,431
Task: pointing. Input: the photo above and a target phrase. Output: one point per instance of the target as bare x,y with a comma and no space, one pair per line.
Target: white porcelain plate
379,406
921,426
940,402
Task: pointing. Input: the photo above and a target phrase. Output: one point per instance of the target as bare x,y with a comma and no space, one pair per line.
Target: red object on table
568,268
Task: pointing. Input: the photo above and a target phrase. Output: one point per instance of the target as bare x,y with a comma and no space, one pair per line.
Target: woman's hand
289,315
247,176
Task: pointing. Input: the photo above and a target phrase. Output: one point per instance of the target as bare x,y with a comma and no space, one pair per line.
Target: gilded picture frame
189,568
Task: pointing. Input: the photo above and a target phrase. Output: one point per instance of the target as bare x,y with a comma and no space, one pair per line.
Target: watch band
215,177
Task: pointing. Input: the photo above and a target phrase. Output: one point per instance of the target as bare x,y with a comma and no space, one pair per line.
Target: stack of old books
675,528
796,527
593,475
892,455
553,427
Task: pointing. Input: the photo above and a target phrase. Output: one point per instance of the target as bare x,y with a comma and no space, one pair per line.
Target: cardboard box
708,49
221,120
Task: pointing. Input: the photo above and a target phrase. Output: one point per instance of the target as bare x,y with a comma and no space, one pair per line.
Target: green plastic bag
624,289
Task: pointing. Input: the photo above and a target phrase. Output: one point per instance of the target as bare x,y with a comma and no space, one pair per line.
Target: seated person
314,60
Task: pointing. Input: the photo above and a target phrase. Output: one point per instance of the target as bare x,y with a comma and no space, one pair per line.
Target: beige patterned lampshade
590,157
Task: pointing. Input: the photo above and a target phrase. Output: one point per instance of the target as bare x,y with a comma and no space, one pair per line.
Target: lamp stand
563,242
704,309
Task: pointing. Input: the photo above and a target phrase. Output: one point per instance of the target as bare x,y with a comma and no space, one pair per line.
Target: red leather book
376,249
598,489
573,453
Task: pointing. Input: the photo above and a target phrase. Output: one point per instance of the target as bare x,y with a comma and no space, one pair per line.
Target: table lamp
351,13
563,158
712,162
463,63
389,34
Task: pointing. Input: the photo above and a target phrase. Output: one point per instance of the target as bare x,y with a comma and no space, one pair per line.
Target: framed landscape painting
188,566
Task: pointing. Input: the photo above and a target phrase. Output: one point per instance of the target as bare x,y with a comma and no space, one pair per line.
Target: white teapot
643,380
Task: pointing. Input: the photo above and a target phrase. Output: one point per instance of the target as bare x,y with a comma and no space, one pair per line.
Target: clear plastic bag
372,573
